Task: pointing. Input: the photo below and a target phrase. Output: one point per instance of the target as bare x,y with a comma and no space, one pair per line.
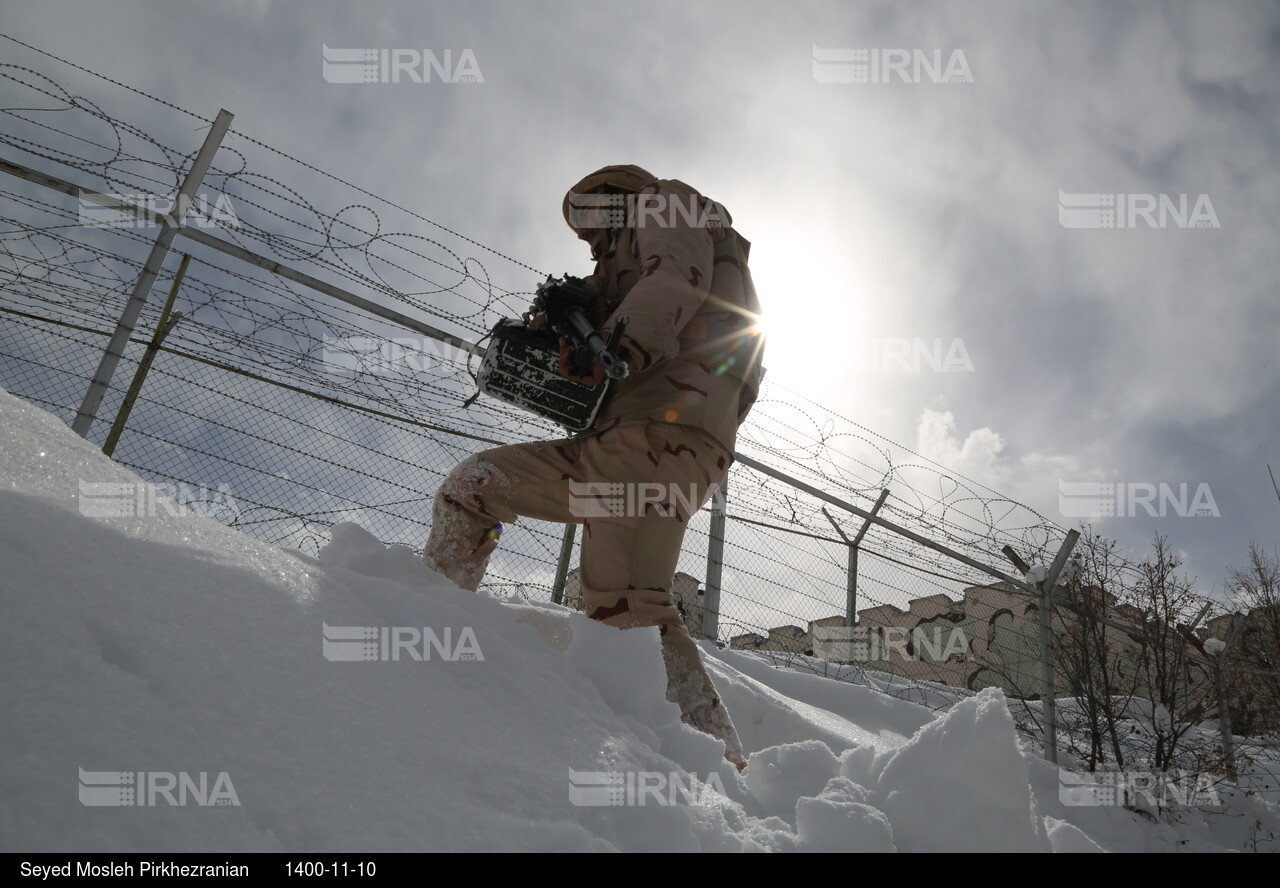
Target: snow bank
357,701
961,783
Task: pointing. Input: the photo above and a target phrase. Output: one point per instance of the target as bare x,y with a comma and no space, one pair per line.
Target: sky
906,218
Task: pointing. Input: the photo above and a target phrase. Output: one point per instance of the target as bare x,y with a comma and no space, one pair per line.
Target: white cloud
976,456
980,456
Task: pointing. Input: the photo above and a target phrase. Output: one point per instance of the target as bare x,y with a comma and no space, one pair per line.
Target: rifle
565,302
522,364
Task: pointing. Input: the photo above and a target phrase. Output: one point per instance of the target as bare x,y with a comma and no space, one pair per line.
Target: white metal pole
715,562
142,288
1048,691
562,564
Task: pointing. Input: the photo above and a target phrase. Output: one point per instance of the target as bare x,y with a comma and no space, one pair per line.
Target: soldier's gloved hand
566,367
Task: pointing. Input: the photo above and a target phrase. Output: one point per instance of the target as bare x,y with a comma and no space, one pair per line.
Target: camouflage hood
624,177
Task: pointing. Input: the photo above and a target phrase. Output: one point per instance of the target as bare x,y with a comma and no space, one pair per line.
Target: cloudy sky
894,224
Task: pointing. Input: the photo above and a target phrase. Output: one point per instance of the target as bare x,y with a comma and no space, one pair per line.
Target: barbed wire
250,307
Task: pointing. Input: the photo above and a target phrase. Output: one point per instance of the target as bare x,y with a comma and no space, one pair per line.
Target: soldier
668,262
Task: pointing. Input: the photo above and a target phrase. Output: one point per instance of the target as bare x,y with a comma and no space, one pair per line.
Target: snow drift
357,701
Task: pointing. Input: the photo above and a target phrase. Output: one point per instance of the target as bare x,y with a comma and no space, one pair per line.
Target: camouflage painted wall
989,638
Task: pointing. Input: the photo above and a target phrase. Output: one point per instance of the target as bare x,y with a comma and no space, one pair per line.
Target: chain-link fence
297,389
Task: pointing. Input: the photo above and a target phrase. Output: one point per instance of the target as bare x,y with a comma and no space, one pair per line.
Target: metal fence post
851,575
851,589
163,326
1224,711
1048,698
562,566
715,562
142,287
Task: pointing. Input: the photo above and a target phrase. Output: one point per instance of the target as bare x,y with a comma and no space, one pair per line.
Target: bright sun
814,308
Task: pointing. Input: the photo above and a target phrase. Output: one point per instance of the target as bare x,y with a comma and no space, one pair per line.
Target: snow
839,820
1068,839
169,643
1038,573
933,791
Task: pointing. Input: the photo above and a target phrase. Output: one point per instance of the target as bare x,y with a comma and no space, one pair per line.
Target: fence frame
1041,591
142,289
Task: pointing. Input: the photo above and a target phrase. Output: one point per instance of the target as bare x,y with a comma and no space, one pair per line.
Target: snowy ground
171,645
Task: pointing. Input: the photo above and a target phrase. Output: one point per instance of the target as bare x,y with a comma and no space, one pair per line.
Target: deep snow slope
163,644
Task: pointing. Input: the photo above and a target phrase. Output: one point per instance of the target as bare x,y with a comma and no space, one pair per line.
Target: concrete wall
988,638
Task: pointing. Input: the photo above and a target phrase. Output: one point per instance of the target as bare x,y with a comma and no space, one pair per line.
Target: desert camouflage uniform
679,275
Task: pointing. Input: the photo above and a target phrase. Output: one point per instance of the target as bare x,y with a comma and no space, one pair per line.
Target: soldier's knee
474,474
